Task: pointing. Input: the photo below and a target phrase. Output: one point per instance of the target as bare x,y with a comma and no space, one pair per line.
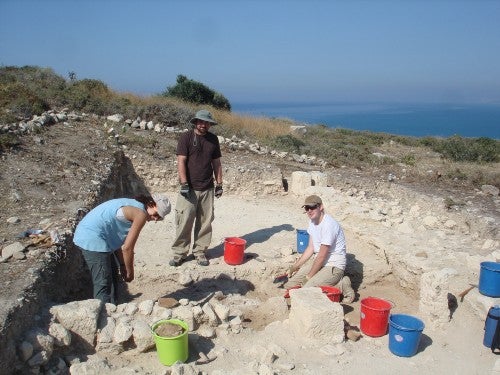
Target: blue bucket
489,279
491,325
302,240
404,334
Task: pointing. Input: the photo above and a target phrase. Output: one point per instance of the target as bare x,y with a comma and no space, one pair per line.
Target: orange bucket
234,250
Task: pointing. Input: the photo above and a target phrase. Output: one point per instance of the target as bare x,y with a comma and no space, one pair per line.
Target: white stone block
300,182
319,178
314,316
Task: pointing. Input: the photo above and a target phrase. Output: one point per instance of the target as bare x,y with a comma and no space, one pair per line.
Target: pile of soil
168,329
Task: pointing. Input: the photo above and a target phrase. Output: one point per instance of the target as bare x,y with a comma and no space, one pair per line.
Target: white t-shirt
330,233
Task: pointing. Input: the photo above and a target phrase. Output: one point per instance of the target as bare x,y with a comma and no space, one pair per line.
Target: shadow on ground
258,236
204,287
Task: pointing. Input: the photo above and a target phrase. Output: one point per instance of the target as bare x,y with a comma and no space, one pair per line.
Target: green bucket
171,349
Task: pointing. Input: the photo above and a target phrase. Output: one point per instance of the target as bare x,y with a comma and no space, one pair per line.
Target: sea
417,120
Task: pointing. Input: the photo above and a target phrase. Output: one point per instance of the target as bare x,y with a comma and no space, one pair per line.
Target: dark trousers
104,272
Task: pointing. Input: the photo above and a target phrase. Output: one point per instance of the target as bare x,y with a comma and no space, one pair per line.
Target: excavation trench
267,222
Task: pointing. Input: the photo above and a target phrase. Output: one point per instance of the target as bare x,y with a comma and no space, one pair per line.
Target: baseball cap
312,200
163,205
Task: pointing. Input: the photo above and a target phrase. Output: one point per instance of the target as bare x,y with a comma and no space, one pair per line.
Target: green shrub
8,141
408,159
287,143
457,174
478,150
197,93
88,95
20,101
42,83
429,142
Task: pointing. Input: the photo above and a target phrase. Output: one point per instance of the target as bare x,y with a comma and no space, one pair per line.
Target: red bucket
374,316
331,292
234,250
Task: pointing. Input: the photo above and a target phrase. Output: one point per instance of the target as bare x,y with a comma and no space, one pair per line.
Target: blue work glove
218,191
185,190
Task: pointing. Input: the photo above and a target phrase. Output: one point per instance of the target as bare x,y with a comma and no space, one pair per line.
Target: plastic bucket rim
235,240
494,312
406,329
487,266
333,289
178,322
333,293
392,304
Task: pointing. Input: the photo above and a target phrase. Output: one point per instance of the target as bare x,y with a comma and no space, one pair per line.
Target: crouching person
324,260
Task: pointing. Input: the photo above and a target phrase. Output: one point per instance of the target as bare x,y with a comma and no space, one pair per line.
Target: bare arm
319,261
126,252
181,168
308,252
217,166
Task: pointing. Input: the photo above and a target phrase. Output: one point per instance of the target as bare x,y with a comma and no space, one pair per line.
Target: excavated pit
268,225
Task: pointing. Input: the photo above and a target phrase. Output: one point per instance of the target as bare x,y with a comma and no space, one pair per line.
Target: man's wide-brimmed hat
204,115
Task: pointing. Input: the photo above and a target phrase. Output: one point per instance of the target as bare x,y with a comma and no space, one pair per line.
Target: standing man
323,261
198,164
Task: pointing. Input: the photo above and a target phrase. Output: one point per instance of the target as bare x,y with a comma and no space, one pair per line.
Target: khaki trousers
193,219
328,276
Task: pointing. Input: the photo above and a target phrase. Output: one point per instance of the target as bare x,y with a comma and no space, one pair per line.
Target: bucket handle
393,305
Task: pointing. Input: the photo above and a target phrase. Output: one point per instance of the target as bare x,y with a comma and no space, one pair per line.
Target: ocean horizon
417,120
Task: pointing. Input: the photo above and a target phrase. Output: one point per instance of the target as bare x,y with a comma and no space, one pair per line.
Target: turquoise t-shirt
100,230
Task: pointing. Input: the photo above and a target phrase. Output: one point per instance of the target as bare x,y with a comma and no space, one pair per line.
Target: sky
399,51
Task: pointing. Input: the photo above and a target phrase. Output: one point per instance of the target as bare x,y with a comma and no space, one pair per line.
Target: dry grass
259,128
139,100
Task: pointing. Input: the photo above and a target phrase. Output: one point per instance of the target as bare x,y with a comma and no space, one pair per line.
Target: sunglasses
313,207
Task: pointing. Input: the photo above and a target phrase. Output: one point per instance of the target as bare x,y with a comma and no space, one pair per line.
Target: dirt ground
52,174
268,224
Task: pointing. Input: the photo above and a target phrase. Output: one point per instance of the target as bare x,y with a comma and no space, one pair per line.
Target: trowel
281,279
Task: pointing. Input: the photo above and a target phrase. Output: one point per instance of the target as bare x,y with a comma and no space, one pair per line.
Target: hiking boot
202,260
347,291
176,262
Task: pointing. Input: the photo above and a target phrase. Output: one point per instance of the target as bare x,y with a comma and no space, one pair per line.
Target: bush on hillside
27,91
88,95
170,115
41,83
19,102
197,93
456,148
287,143
8,141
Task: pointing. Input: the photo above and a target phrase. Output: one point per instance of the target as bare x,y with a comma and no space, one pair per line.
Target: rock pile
88,326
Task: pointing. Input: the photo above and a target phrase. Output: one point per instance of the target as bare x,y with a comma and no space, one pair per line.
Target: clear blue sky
258,51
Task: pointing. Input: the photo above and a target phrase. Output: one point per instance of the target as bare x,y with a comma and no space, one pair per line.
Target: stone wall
48,280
